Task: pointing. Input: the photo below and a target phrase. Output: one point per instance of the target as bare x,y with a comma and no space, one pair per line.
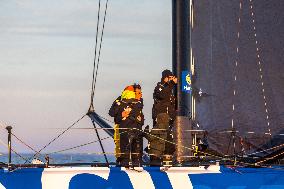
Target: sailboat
215,105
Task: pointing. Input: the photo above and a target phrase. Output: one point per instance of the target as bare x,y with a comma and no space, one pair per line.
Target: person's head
128,93
138,91
167,76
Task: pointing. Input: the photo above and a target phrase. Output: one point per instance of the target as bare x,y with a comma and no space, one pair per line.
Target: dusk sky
46,62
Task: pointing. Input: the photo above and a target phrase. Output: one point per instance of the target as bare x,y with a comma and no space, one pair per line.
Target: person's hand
139,118
175,80
125,113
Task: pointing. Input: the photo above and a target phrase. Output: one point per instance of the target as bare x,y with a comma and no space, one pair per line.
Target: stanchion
9,129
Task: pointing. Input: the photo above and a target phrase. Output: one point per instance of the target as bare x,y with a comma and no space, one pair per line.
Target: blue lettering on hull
117,179
243,178
27,178
160,179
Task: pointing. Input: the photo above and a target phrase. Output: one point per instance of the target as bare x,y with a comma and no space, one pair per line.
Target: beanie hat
129,88
166,73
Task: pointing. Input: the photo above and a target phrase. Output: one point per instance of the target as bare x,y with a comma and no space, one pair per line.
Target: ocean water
58,158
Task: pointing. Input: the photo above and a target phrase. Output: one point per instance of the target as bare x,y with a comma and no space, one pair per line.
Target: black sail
258,126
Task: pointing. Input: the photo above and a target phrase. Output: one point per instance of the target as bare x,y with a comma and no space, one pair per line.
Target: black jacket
132,121
113,109
164,100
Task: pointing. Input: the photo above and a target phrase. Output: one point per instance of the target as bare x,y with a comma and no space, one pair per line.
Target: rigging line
101,41
262,150
85,144
24,143
105,139
273,157
6,145
101,144
81,145
3,143
96,75
257,163
266,150
95,57
233,160
57,137
204,153
260,68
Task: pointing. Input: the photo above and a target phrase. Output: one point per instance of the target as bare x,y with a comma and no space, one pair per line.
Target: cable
101,40
273,157
266,150
78,146
24,143
57,136
233,160
111,137
101,144
6,145
95,57
94,81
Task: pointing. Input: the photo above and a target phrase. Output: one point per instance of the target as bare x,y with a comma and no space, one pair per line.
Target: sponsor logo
186,81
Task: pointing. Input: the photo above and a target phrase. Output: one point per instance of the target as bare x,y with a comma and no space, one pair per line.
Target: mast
181,68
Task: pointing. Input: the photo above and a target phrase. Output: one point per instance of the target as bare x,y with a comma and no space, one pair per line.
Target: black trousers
131,148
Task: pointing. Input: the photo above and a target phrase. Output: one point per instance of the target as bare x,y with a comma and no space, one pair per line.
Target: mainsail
238,75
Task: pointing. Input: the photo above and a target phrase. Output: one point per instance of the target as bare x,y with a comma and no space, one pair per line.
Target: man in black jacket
163,113
164,99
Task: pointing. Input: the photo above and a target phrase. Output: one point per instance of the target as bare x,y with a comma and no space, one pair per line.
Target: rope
94,81
269,149
233,160
266,159
96,66
95,57
101,144
95,75
111,137
154,137
57,137
21,141
101,40
78,146
205,153
6,145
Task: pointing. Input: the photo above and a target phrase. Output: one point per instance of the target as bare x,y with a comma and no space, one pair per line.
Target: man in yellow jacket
132,97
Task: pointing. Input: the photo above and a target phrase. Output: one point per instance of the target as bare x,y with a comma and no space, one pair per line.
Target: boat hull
146,178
